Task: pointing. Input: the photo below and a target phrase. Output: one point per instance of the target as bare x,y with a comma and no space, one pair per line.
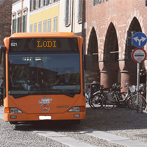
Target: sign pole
138,83
139,39
138,55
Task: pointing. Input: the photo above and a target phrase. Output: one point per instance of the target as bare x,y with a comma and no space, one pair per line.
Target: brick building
106,27
5,22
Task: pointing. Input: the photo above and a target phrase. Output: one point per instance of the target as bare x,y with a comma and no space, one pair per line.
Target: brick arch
93,44
93,26
134,27
110,70
111,44
135,14
129,70
92,49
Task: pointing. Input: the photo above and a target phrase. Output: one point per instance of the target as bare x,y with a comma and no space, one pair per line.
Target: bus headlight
15,110
74,109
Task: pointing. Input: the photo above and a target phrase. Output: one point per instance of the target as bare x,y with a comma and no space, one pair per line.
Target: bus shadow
47,126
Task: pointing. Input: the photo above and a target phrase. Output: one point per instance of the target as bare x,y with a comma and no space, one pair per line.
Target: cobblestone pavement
120,121
20,136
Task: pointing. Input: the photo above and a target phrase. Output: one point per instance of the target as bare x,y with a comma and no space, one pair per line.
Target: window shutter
34,6
35,27
30,27
69,14
65,12
55,24
30,5
19,24
49,25
78,11
46,2
44,26
39,3
39,26
23,21
14,25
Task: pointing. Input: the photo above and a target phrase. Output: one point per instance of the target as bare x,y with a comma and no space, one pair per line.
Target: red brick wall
121,14
5,22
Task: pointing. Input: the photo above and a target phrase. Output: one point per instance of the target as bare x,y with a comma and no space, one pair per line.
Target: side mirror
1,52
87,62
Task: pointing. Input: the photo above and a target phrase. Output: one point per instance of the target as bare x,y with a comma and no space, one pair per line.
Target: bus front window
44,73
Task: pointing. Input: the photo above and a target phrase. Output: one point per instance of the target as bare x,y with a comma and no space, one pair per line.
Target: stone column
108,78
128,76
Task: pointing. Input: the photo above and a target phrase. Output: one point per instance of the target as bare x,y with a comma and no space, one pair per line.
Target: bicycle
140,103
114,97
95,101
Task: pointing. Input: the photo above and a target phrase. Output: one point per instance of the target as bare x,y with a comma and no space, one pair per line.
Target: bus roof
44,35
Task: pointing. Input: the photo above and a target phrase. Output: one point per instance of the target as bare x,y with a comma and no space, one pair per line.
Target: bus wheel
13,122
76,122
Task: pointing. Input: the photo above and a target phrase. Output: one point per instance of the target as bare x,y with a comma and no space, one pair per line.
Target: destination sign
43,44
46,44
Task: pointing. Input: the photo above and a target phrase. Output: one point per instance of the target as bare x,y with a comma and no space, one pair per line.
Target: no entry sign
139,55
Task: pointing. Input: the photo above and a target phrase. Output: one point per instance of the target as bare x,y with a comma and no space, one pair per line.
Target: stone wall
5,22
111,20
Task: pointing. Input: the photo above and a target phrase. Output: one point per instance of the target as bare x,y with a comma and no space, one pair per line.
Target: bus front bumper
42,116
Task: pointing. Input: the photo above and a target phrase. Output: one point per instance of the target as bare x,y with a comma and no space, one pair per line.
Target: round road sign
139,55
139,39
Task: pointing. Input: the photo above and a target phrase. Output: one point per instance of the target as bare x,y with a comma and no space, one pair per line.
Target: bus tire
76,122
13,122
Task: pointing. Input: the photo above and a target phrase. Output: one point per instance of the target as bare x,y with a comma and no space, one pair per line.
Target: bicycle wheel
134,104
95,101
109,101
122,99
129,103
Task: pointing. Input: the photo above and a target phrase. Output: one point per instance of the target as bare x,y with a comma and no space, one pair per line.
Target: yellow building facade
44,17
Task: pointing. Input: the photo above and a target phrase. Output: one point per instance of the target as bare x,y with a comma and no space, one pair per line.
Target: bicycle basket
132,88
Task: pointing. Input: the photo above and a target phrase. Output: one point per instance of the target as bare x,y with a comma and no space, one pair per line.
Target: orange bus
35,83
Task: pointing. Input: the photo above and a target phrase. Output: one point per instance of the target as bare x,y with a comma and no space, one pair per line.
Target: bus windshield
44,73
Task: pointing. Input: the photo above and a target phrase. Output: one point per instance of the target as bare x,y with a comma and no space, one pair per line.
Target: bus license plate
44,117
